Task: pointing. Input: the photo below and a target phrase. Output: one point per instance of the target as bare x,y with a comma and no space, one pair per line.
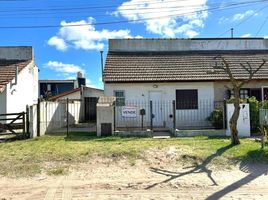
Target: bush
264,104
254,106
216,118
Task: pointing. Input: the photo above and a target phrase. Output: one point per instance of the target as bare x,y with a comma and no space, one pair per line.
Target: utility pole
232,32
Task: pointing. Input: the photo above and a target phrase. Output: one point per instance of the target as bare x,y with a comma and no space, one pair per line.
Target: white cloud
246,35
66,70
241,16
167,18
59,43
83,35
237,17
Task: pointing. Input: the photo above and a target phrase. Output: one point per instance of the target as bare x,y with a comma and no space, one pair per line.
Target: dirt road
119,180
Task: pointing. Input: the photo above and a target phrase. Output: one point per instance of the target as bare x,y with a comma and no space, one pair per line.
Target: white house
180,70
18,79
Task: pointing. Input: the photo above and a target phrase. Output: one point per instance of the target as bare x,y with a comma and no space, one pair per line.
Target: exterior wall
3,102
16,53
25,92
138,94
141,45
220,87
75,95
92,92
140,91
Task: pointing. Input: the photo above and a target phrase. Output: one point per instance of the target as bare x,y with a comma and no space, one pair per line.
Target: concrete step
161,135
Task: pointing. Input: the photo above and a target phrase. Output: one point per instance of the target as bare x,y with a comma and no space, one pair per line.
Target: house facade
182,70
18,79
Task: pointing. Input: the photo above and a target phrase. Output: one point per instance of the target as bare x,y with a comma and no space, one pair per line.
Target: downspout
16,76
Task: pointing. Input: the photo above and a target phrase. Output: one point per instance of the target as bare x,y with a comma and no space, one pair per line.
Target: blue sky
68,35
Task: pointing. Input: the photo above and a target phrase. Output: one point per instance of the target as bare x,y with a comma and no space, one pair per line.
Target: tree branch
227,70
251,72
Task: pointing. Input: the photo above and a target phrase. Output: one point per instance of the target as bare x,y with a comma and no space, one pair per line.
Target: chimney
80,79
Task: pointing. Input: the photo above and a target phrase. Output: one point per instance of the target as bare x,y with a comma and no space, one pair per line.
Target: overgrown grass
27,157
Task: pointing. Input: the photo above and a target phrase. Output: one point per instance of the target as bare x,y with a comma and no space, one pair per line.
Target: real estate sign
129,112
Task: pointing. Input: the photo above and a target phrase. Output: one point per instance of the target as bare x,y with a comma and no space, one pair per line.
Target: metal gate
144,114
91,108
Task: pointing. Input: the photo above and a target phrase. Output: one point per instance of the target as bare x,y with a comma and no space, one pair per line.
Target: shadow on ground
200,168
254,171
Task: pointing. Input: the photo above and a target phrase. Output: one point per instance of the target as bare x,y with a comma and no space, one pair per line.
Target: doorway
157,109
91,109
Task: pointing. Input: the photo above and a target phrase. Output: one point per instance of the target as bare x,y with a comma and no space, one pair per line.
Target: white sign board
129,112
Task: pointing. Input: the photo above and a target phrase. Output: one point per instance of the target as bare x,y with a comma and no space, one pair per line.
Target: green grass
27,157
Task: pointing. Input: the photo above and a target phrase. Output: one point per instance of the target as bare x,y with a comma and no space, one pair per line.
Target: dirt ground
160,177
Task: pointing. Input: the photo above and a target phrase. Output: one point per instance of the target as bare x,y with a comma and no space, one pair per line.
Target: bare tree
236,85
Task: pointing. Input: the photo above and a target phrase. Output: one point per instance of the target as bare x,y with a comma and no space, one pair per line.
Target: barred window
186,99
244,93
120,97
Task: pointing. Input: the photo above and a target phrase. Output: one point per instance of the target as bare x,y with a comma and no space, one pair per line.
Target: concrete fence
53,116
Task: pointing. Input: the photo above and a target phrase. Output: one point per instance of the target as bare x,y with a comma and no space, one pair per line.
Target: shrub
264,104
254,106
216,118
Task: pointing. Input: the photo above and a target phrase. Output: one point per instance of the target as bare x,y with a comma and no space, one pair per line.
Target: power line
129,9
123,21
262,25
102,23
103,15
243,21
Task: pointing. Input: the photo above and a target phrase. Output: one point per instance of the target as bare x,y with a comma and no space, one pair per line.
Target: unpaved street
118,180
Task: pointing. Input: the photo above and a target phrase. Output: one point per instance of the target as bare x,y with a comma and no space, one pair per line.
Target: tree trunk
234,118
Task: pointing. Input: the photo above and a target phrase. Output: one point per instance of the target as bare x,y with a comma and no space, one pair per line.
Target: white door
156,98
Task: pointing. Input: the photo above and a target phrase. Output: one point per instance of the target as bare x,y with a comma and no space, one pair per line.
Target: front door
156,98
91,109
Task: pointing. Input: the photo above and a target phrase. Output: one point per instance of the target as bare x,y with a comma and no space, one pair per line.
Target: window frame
120,100
244,93
186,104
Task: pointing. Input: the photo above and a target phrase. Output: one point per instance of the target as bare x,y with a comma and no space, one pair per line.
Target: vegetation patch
27,158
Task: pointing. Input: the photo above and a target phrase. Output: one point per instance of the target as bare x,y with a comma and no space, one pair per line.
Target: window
186,99
120,97
256,92
244,93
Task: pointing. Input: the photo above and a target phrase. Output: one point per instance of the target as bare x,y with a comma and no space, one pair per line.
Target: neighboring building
88,97
18,79
49,88
182,70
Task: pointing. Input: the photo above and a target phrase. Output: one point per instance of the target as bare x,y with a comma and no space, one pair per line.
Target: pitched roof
179,66
53,98
8,70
